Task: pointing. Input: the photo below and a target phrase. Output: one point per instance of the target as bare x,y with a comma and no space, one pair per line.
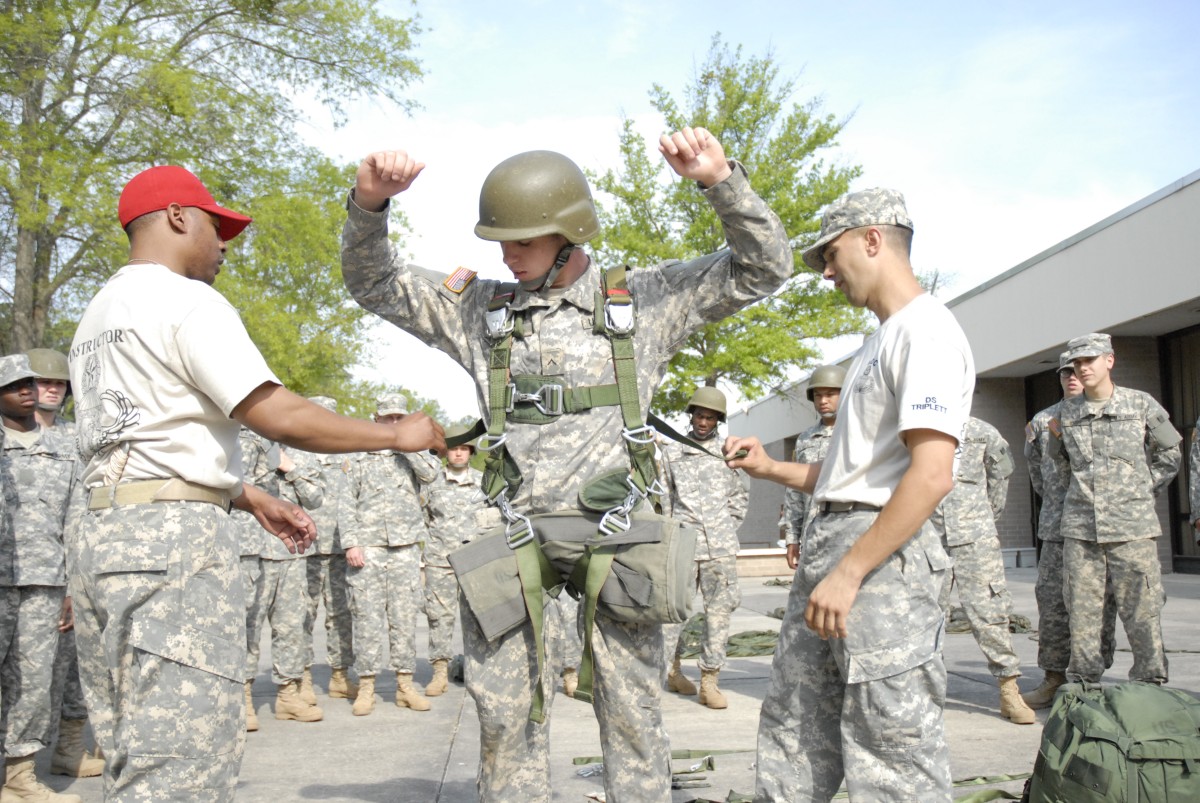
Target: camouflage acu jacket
969,512
1047,478
811,447
705,494
41,497
1119,458
386,509
456,513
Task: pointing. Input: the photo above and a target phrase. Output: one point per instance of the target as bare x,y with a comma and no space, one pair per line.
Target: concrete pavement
400,756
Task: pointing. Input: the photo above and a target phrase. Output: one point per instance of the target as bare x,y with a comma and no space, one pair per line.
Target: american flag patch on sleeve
457,282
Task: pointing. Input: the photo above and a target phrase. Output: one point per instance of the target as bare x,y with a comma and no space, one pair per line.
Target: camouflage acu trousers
327,583
385,595
514,755
441,610
285,606
718,583
1133,570
564,647
867,708
67,688
162,649
978,574
250,567
1054,621
28,642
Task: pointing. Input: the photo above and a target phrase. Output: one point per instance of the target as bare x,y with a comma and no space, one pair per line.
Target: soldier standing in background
327,571
71,757
966,520
1121,450
456,514
260,458
824,391
382,541
40,469
1054,620
706,495
538,207
284,602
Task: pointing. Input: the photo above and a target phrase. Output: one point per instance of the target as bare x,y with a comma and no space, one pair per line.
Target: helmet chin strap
547,281
827,416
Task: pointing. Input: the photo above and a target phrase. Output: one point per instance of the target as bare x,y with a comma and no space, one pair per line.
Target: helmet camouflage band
709,398
533,194
827,376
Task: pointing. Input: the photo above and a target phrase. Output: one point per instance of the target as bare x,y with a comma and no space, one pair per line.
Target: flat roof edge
1129,211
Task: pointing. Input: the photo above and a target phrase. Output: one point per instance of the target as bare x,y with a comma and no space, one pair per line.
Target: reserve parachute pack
616,553
1129,743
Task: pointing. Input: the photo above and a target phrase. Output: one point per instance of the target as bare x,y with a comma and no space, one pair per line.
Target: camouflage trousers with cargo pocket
327,584
978,574
867,708
1054,620
161,632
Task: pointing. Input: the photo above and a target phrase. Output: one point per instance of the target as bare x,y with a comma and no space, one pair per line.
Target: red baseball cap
159,187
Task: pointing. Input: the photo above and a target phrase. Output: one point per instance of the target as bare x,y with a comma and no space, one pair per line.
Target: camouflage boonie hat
328,402
1092,345
391,404
874,207
14,368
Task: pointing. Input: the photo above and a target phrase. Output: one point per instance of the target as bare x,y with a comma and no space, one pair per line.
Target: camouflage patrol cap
1064,361
328,402
14,368
1092,345
874,207
391,404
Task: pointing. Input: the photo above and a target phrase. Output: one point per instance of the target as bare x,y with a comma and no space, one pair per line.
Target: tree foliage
93,91
746,103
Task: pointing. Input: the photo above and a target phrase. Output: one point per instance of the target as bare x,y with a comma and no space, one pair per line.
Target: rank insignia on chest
457,282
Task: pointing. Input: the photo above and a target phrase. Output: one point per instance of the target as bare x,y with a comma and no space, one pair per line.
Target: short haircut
899,238
142,222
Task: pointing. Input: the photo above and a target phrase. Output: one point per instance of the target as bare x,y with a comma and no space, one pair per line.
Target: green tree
92,91
748,106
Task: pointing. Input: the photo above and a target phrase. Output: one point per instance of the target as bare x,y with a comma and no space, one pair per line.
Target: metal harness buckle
642,434
499,322
520,528
618,318
485,445
547,400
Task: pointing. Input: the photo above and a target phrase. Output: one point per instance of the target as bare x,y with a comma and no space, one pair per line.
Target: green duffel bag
1121,744
652,579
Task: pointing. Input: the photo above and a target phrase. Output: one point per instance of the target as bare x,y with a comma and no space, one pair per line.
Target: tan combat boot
251,714
289,705
341,687
406,695
440,680
570,681
678,682
70,757
1012,707
710,695
22,786
364,701
307,694
1043,696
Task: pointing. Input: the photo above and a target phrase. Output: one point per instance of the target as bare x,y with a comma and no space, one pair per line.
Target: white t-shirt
914,372
158,363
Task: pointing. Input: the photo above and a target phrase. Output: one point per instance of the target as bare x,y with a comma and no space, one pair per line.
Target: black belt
846,507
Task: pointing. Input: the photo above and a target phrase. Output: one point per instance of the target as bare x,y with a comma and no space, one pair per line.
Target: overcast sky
1009,126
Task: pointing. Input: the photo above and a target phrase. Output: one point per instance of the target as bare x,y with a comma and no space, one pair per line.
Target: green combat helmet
708,398
534,194
827,376
460,429
49,364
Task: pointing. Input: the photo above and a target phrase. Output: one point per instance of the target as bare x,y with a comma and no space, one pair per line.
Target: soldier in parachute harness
566,360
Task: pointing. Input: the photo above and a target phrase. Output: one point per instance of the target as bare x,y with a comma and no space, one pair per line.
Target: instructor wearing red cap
164,373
